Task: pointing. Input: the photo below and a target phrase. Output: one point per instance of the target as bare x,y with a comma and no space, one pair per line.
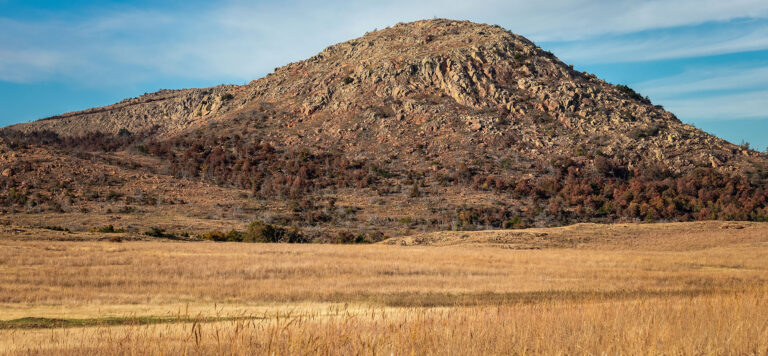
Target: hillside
425,126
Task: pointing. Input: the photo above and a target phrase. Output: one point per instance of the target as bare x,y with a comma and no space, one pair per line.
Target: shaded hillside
428,125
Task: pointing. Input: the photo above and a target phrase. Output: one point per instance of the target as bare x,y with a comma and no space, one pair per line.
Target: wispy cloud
701,81
28,64
92,50
74,55
710,92
242,40
594,18
668,44
749,105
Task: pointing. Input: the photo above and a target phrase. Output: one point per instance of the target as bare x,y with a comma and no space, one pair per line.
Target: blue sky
704,60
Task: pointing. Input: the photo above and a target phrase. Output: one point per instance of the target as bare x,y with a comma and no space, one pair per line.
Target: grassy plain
697,288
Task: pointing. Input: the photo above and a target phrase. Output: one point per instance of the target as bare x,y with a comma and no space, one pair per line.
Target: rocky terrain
423,126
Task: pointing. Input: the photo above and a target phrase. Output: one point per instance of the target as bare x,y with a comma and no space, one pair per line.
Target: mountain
429,125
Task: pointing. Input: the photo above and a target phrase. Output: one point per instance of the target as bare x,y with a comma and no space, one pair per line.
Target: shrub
259,231
631,93
293,235
744,144
375,236
127,210
55,228
17,197
219,236
606,167
513,223
415,191
214,236
113,195
643,132
108,229
345,237
158,232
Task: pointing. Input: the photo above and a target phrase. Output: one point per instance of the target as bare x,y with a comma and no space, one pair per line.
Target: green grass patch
54,323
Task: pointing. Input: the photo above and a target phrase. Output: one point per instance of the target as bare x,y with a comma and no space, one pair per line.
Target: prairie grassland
679,289
731,323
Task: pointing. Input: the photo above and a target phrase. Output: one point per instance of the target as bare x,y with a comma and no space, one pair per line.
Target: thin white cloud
750,105
659,46
616,17
703,80
25,65
76,51
242,40
711,93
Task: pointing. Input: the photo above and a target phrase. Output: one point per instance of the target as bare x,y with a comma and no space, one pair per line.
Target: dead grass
709,325
68,273
656,237
673,289
27,226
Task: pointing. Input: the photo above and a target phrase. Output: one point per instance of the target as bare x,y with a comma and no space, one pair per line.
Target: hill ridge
431,124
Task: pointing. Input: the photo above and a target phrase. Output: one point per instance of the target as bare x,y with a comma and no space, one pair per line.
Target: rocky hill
423,126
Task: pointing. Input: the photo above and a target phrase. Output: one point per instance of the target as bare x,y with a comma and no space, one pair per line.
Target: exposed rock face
169,110
445,84
460,114
451,84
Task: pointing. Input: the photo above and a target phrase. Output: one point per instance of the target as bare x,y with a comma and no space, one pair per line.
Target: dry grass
672,289
723,324
649,237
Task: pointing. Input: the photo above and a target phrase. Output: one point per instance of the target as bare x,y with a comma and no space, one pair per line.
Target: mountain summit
427,125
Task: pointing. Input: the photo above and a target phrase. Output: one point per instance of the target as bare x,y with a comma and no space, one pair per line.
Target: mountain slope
429,125
459,83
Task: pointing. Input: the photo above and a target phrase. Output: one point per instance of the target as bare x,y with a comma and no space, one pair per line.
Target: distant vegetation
158,232
644,132
55,228
632,93
108,229
565,190
463,127
258,231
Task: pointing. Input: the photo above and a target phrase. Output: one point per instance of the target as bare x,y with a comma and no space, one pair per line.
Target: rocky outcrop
454,88
433,124
169,111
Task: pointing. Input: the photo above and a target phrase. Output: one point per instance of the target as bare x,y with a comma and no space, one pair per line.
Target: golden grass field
690,288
